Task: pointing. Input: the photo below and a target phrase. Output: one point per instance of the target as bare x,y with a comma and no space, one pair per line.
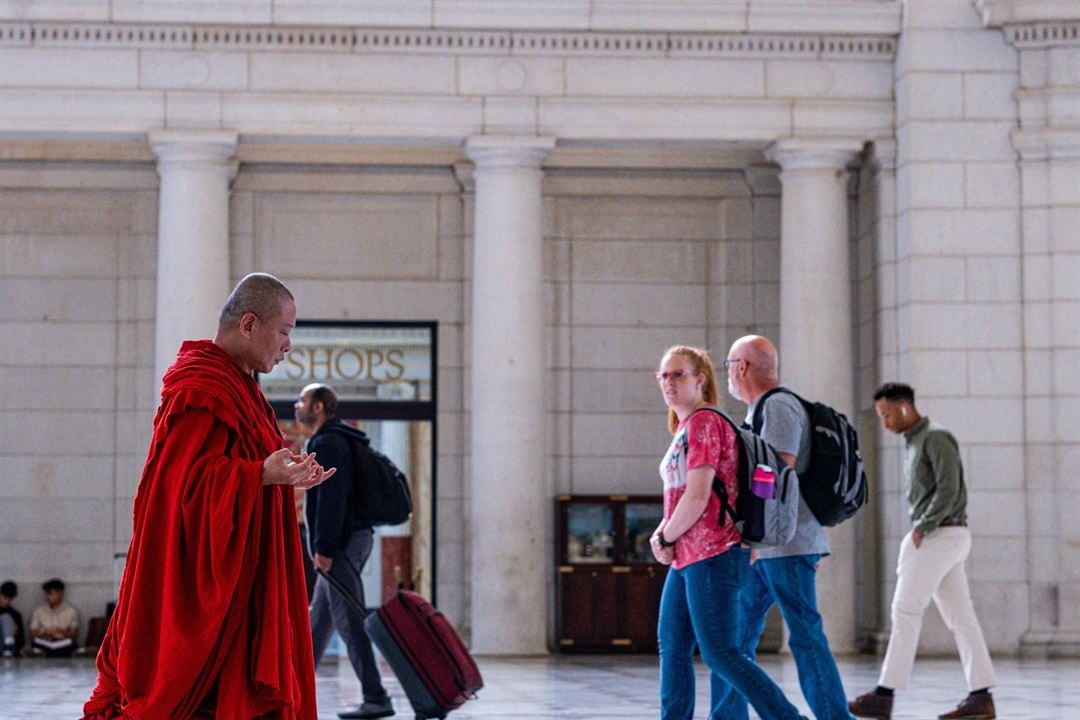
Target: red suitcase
433,665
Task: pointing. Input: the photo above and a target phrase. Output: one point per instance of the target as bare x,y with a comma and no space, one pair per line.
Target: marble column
507,491
816,326
193,236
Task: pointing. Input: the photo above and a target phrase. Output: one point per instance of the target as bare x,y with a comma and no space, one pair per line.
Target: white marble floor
593,688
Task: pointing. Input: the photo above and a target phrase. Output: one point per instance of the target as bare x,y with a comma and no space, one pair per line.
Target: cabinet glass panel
589,533
641,520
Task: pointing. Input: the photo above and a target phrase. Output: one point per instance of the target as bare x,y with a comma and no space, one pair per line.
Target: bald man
211,620
785,575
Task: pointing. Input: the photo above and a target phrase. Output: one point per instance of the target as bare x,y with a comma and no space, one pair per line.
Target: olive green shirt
935,476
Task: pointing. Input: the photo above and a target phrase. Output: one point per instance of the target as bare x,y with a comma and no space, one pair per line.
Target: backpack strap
726,508
759,415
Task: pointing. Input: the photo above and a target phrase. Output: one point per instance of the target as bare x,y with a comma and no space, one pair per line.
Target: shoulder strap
726,508
759,415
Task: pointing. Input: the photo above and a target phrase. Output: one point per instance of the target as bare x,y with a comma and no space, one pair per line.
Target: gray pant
330,611
7,630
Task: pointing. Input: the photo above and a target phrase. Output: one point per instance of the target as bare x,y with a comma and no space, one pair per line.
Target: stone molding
1043,143
453,42
763,180
883,155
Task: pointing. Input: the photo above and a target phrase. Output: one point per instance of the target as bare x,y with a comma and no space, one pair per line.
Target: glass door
384,376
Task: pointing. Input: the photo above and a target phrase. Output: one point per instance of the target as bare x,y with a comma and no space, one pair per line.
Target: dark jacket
328,508
20,627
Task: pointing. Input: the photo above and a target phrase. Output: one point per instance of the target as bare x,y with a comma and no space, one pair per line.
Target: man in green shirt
931,563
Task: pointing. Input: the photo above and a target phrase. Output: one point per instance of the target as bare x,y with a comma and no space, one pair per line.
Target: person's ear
247,323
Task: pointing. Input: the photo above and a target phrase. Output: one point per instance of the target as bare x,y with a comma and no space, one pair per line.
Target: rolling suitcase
431,662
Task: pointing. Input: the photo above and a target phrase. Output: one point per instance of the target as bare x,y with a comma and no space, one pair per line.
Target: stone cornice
1000,13
808,16
453,42
1033,23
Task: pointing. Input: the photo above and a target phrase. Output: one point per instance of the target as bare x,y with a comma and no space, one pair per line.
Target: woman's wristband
664,541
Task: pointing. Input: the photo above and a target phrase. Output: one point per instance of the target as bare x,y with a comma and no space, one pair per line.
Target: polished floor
592,688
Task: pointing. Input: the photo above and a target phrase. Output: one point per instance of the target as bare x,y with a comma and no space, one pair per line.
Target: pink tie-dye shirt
702,439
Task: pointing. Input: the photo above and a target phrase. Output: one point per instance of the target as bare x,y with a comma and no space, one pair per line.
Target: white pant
935,570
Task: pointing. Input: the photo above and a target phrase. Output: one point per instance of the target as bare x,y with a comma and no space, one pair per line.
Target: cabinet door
644,586
588,607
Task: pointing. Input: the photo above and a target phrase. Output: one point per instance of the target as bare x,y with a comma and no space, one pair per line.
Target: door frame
409,410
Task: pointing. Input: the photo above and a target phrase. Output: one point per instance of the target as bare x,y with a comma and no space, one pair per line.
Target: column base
1050,644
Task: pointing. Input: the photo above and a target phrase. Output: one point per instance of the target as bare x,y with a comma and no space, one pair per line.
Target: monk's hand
301,471
318,475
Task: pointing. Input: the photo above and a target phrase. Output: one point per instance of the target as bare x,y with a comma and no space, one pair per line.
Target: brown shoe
871,705
973,707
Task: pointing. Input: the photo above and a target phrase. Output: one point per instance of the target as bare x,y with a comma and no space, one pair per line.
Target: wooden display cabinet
608,583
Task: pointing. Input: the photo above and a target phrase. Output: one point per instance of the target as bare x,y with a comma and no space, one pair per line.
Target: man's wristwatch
663,541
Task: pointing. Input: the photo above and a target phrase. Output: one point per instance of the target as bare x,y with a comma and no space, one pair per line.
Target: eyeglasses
675,375
731,361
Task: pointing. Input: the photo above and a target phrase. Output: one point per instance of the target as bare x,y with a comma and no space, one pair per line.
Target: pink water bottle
763,483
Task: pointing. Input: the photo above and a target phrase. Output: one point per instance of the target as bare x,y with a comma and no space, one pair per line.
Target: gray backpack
764,516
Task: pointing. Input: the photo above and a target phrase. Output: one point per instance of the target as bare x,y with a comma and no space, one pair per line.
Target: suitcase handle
345,592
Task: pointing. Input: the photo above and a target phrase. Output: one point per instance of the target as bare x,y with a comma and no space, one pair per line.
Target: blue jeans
699,608
788,581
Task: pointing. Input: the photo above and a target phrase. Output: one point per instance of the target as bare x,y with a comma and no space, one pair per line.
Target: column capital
185,147
813,153
508,150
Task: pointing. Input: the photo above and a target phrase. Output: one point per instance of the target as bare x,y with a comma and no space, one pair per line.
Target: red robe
212,603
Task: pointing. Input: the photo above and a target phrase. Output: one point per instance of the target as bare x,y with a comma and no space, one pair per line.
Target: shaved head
759,352
258,293
753,368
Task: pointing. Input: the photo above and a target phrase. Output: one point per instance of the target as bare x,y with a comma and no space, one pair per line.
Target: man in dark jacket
340,544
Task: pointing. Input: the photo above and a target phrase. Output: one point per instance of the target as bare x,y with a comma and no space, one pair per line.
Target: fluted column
816,331
507,476
193,236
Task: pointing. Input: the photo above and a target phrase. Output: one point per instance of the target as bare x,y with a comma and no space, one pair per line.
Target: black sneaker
369,710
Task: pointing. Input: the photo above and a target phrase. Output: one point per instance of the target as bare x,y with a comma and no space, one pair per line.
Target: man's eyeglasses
731,361
675,375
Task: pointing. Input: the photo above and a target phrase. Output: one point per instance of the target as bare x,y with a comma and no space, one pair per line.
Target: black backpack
761,522
380,493
834,484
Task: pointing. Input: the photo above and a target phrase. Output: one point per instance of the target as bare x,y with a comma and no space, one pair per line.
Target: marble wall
964,217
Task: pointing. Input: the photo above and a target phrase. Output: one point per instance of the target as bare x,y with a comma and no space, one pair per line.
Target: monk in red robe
212,619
